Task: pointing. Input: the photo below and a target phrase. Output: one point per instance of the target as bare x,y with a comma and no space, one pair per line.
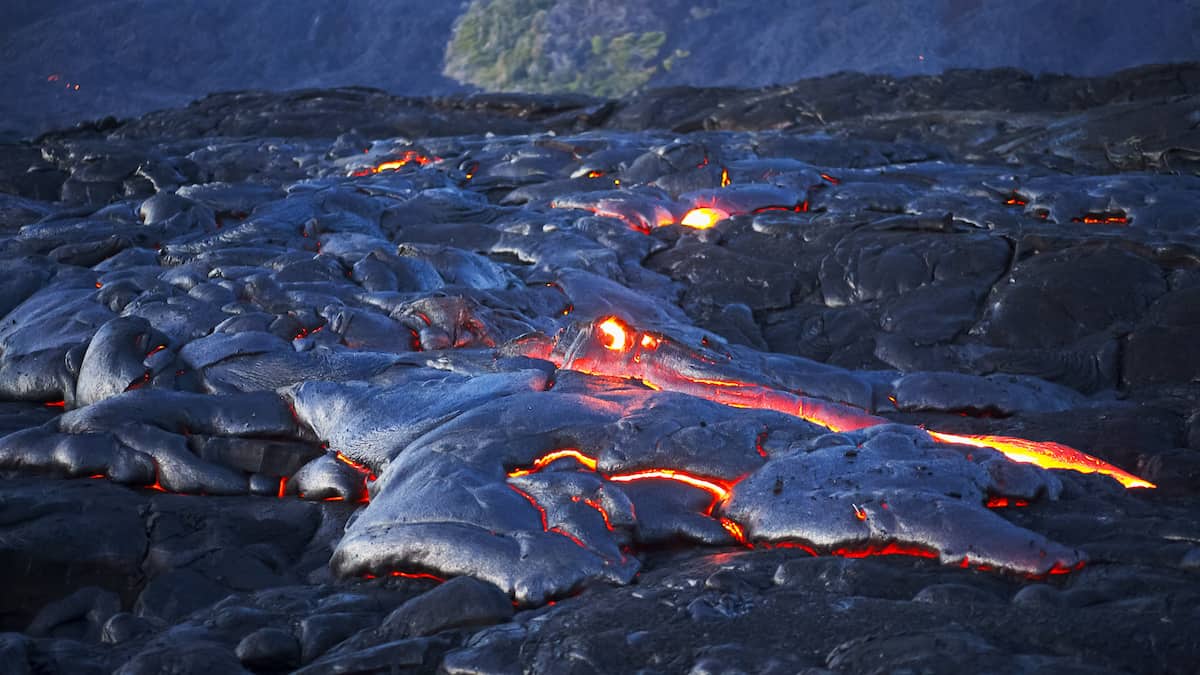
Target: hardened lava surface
854,375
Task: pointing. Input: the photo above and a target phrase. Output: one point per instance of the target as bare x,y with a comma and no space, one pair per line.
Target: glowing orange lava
717,490
734,530
890,548
614,335
361,468
602,511
725,177
703,217
418,575
1103,219
1046,454
549,458
406,158
1004,502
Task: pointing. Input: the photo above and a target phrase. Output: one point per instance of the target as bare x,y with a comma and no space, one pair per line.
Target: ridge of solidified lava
531,356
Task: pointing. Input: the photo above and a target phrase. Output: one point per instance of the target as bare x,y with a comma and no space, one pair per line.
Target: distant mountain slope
131,56
609,47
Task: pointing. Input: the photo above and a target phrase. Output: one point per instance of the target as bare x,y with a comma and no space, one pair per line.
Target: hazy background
62,61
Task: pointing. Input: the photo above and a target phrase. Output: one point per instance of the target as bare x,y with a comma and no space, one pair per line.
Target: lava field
854,375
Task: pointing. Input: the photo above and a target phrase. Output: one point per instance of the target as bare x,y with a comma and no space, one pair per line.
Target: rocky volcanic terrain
704,381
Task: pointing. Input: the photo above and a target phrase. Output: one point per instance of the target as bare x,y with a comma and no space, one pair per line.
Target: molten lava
549,458
1113,218
719,491
703,217
718,488
629,354
615,335
406,158
1046,454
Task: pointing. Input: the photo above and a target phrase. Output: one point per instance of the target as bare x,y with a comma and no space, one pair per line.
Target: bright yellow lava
614,335
703,217
1046,454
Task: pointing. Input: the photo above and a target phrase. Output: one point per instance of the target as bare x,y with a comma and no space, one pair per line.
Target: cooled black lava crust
323,380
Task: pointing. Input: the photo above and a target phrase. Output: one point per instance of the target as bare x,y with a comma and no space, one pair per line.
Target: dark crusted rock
81,615
320,632
390,656
270,648
953,594
458,603
188,657
505,360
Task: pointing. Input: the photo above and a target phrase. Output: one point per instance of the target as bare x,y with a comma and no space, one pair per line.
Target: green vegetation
498,45
503,45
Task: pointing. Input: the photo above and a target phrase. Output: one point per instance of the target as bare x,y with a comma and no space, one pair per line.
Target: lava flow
718,488
703,217
663,364
406,158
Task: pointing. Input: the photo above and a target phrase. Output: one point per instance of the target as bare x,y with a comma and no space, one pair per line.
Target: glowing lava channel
703,217
618,339
719,489
1046,454
406,158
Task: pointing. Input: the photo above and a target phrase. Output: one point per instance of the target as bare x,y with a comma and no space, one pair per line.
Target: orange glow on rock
595,174
716,487
534,503
602,511
1102,219
703,217
575,540
717,490
415,575
55,404
1004,502
725,177
616,336
406,158
361,468
735,530
1046,454
613,335
549,458
890,548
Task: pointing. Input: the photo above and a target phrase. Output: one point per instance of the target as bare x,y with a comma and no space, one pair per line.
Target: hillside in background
62,61
132,56
608,48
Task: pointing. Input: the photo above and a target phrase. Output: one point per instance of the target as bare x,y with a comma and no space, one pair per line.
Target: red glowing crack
629,353
405,158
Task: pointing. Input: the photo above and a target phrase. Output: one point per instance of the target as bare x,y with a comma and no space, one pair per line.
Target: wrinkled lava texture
697,381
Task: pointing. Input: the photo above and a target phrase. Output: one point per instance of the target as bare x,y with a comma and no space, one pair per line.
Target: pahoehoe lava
340,381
